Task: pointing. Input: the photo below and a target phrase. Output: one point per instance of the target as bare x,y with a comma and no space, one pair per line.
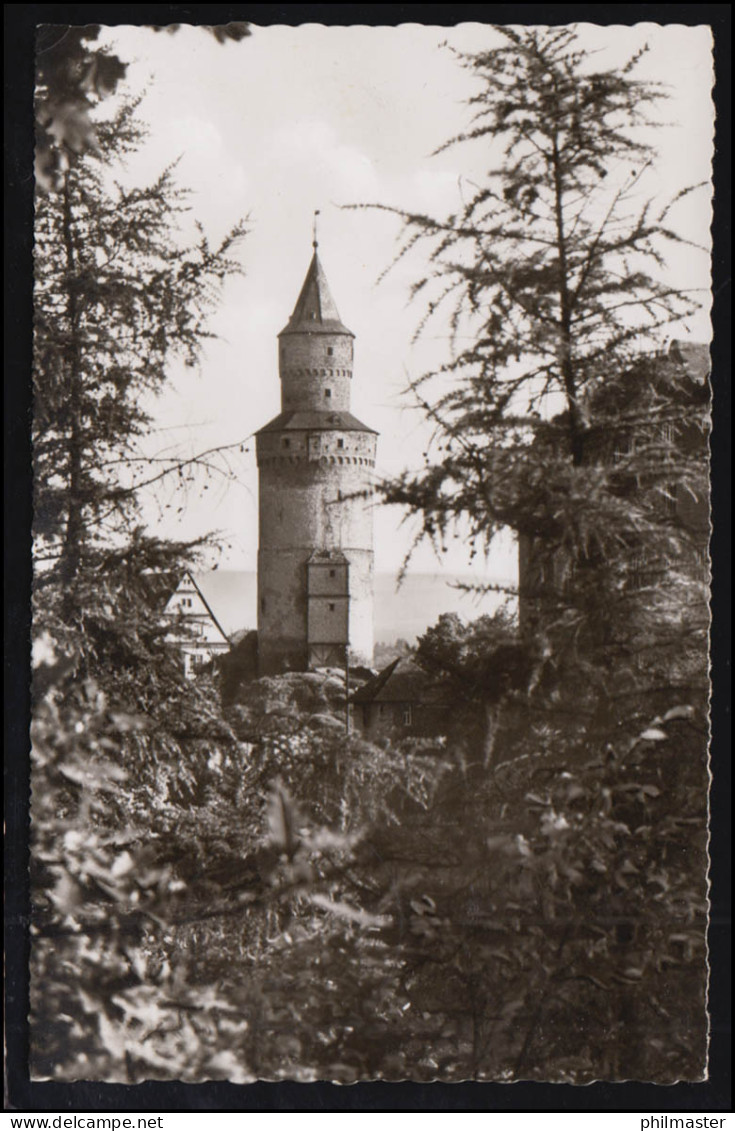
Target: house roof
161,586
402,681
694,358
208,607
369,690
314,421
315,311
327,557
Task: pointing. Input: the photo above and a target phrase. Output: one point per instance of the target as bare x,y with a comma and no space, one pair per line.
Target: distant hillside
421,599
404,612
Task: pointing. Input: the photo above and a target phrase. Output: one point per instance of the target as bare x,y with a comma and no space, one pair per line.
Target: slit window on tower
332,606
330,351
286,442
327,393
340,443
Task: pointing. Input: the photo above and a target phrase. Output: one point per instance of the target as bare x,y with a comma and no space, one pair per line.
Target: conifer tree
118,293
550,277
562,416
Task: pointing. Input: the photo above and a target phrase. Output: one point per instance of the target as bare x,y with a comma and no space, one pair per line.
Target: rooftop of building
328,557
315,311
402,681
301,420
161,585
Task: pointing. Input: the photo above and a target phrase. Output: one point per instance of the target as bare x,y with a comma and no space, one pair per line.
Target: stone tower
315,461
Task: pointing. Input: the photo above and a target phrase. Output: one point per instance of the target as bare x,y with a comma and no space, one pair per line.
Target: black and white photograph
371,577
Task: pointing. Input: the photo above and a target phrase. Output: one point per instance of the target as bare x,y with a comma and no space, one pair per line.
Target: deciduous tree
72,78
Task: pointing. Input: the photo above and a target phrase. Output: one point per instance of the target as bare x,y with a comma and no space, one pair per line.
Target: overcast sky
296,119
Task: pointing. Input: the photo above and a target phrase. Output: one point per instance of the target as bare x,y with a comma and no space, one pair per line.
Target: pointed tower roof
315,311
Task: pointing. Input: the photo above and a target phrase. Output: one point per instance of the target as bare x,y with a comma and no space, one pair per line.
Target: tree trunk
564,348
492,714
74,533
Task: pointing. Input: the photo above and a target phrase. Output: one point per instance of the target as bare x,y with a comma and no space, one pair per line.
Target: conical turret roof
315,311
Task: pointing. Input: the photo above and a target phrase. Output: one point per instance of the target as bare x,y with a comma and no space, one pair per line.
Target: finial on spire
315,242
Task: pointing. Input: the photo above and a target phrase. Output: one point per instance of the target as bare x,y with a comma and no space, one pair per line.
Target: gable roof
208,607
402,681
327,557
162,585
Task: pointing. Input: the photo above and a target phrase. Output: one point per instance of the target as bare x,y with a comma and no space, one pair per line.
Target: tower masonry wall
283,608
319,350
316,371
362,581
315,505
328,447
320,389
307,504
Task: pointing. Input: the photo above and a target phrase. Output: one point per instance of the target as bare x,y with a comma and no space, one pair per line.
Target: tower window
330,351
286,442
327,393
332,573
340,443
332,606
262,604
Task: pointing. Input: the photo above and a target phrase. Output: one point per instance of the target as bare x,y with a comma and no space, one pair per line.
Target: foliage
191,920
480,659
559,417
251,892
120,740
403,917
72,78
549,278
384,653
295,727
552,930
165,850
117,294
476,667
129,981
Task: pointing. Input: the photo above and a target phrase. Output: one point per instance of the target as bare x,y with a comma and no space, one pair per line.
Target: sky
296,119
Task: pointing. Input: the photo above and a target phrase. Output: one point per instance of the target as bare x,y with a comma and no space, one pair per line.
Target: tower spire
315,311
